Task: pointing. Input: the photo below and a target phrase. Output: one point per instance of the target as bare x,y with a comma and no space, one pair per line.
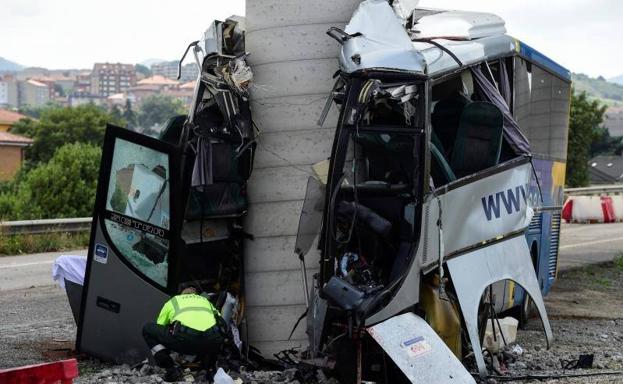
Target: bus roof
379,40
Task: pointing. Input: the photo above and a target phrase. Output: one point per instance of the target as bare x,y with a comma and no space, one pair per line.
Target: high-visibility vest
191,310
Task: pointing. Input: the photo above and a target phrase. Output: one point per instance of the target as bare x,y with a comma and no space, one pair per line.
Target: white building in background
4,93
33,93
169,69
8,92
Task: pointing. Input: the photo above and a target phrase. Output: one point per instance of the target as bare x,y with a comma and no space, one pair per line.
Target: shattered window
542,108
137,208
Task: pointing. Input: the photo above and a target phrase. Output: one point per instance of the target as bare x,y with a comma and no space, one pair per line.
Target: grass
47,242
618,262
604,282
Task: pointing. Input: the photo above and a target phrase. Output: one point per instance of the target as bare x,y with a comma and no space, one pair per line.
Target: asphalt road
37,318
28,271
580,244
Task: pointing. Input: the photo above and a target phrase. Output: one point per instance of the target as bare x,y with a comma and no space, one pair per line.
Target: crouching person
187,324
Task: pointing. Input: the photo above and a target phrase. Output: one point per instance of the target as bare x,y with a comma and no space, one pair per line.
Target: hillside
618,80
9,66
600,88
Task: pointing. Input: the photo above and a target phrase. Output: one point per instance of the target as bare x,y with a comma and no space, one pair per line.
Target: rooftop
609,168
10,117
7,138
157,80
36,83
189,85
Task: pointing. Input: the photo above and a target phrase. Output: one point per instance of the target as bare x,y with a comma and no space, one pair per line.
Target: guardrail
25,227
615,189
84,223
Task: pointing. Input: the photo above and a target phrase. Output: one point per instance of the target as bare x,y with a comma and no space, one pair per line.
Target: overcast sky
583,35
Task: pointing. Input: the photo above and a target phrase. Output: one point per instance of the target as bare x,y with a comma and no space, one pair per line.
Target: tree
604,144
63,187
586,118
157,109
140,68
115,113
58,89
58,126
129,115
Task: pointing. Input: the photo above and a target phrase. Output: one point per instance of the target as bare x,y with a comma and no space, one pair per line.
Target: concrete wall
10,161
293,61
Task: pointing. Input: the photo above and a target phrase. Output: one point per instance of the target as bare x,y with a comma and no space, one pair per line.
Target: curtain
487,91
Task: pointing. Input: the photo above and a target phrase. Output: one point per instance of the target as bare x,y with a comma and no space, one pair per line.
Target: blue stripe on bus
539,58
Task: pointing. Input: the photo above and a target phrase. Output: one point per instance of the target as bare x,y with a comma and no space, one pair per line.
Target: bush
45,242
63,187
58,126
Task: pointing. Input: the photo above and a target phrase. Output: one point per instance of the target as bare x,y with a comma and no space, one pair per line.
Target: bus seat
479,139
440,166
173,128
445,119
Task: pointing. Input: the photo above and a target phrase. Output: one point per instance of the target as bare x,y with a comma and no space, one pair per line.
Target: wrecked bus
443,192
169,208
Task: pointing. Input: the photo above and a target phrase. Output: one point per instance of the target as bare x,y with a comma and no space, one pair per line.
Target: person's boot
173,374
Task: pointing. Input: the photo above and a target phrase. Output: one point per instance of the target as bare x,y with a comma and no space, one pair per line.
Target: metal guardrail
84,223
615,189
24,227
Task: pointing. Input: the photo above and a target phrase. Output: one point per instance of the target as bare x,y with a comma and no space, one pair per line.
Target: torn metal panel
473,272
384,42
418,351
380,38
429,24
404,8
490,205
225,38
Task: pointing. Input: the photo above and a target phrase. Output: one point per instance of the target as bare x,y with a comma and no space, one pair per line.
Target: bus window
542,108
137,208
466,136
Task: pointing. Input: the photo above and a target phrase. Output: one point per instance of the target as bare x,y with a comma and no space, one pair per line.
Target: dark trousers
205,344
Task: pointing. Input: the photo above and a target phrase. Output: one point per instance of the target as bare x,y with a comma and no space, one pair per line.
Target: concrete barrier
593,209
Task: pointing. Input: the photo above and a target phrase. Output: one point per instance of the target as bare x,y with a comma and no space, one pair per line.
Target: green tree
604,144
58,126
116,113
586,118
63,187
157,109
129,115
140,68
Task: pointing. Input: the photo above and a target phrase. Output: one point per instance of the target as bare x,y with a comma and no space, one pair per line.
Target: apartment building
111,78
169,69
8,92
33,93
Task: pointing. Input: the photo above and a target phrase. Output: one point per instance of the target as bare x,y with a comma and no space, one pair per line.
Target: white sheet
70,268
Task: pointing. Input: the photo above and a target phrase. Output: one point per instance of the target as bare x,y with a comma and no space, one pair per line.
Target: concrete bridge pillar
293,61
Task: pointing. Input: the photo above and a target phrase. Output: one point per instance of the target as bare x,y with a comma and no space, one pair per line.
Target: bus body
431,178
169,209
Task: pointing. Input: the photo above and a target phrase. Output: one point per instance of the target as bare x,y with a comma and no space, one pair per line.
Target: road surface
27,271
580,244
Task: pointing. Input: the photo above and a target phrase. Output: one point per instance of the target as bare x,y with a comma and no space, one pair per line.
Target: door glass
137,208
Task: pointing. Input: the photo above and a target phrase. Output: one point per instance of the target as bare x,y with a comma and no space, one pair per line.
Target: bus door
128,276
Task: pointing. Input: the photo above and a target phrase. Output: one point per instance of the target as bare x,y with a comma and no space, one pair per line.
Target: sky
582,35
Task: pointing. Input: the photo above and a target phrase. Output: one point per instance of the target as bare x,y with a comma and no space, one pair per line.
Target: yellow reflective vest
191,310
